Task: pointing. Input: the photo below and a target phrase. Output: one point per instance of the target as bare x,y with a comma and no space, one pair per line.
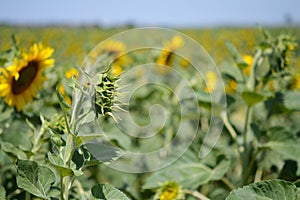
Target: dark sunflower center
27,75
112,52
169,59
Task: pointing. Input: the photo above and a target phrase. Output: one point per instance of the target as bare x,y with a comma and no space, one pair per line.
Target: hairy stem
246,144
196,194
62,187
229,126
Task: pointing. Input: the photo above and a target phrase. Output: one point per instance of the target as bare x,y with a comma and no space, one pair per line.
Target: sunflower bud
105,93
58,124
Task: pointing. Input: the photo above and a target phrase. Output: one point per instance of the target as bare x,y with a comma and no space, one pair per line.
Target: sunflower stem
196,194
228,184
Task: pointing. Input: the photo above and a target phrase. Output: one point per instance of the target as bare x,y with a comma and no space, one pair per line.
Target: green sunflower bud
58,124
105,94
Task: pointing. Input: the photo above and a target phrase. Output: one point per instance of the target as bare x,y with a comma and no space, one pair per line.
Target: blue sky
152,12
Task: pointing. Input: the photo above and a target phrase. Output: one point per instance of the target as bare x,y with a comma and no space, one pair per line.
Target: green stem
250,166
65,181
228,184
232,133
247,127
67,123
246,144
62,188
27,196
258,175
196,194
229,126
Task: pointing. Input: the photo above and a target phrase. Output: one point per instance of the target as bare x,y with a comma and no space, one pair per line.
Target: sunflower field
149,113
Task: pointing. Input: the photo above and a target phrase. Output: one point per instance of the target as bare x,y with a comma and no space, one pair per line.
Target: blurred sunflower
248,60
166,57
296,82
169,191
20,82
115,50
231,86
211,81
73,72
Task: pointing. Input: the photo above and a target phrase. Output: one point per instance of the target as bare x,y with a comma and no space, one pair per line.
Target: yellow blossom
20,82
211,81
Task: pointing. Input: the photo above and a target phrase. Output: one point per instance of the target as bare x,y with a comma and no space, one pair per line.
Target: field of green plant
86,119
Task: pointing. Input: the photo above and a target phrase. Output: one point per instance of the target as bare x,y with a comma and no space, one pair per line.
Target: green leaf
282,144
12,150
220,170
108,192
58,163
288,149
82,139
2,192
34,178
236,55
5,114
189,175
103,152
263,69
264,190
252,98
233,72
291,100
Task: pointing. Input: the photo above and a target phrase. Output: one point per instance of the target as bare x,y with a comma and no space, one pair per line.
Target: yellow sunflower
20,82
231,86
211,81
248,60
73,72
169,191
166,57
116,50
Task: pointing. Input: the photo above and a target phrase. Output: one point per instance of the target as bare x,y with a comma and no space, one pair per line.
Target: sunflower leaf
291,100
2,192
264,190
34,178
107,192
189,175
252,98
58,163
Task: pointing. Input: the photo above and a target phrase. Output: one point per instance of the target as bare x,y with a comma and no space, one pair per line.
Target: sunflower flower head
167,55
296,82
169,191
20,82
248,60
71,73
211,81
231,86
116,51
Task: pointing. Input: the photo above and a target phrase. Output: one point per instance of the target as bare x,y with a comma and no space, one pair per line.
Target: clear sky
151,12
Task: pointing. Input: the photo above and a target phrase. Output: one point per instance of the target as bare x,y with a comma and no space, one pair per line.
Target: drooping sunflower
20,82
